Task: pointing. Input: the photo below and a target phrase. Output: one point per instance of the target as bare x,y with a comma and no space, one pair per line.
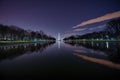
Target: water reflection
59,43
14,50
100,61
107,44
105,53
91,52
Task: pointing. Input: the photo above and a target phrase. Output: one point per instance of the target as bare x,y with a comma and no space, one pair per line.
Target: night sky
55,16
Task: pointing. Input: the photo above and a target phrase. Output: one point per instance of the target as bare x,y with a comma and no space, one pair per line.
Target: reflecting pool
70,59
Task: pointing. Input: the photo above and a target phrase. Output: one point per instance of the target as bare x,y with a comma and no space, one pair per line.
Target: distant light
9,39
92,43
35,44
97,44
35,39
112,38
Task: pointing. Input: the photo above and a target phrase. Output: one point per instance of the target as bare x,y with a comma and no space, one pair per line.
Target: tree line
13,33
111,32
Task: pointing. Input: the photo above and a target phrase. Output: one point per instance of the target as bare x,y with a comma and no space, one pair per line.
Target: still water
81,59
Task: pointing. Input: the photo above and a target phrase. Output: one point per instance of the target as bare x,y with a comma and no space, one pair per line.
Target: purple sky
53,16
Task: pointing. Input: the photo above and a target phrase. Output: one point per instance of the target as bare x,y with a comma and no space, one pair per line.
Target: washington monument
59,37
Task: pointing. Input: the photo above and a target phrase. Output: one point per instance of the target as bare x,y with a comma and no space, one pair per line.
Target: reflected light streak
107,45
99,61
59,44
80,51
91,51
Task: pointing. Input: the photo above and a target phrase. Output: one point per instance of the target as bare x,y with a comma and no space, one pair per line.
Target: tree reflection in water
14,50
105,53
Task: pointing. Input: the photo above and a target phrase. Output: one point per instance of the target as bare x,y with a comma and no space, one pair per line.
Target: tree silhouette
16,33
112,31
